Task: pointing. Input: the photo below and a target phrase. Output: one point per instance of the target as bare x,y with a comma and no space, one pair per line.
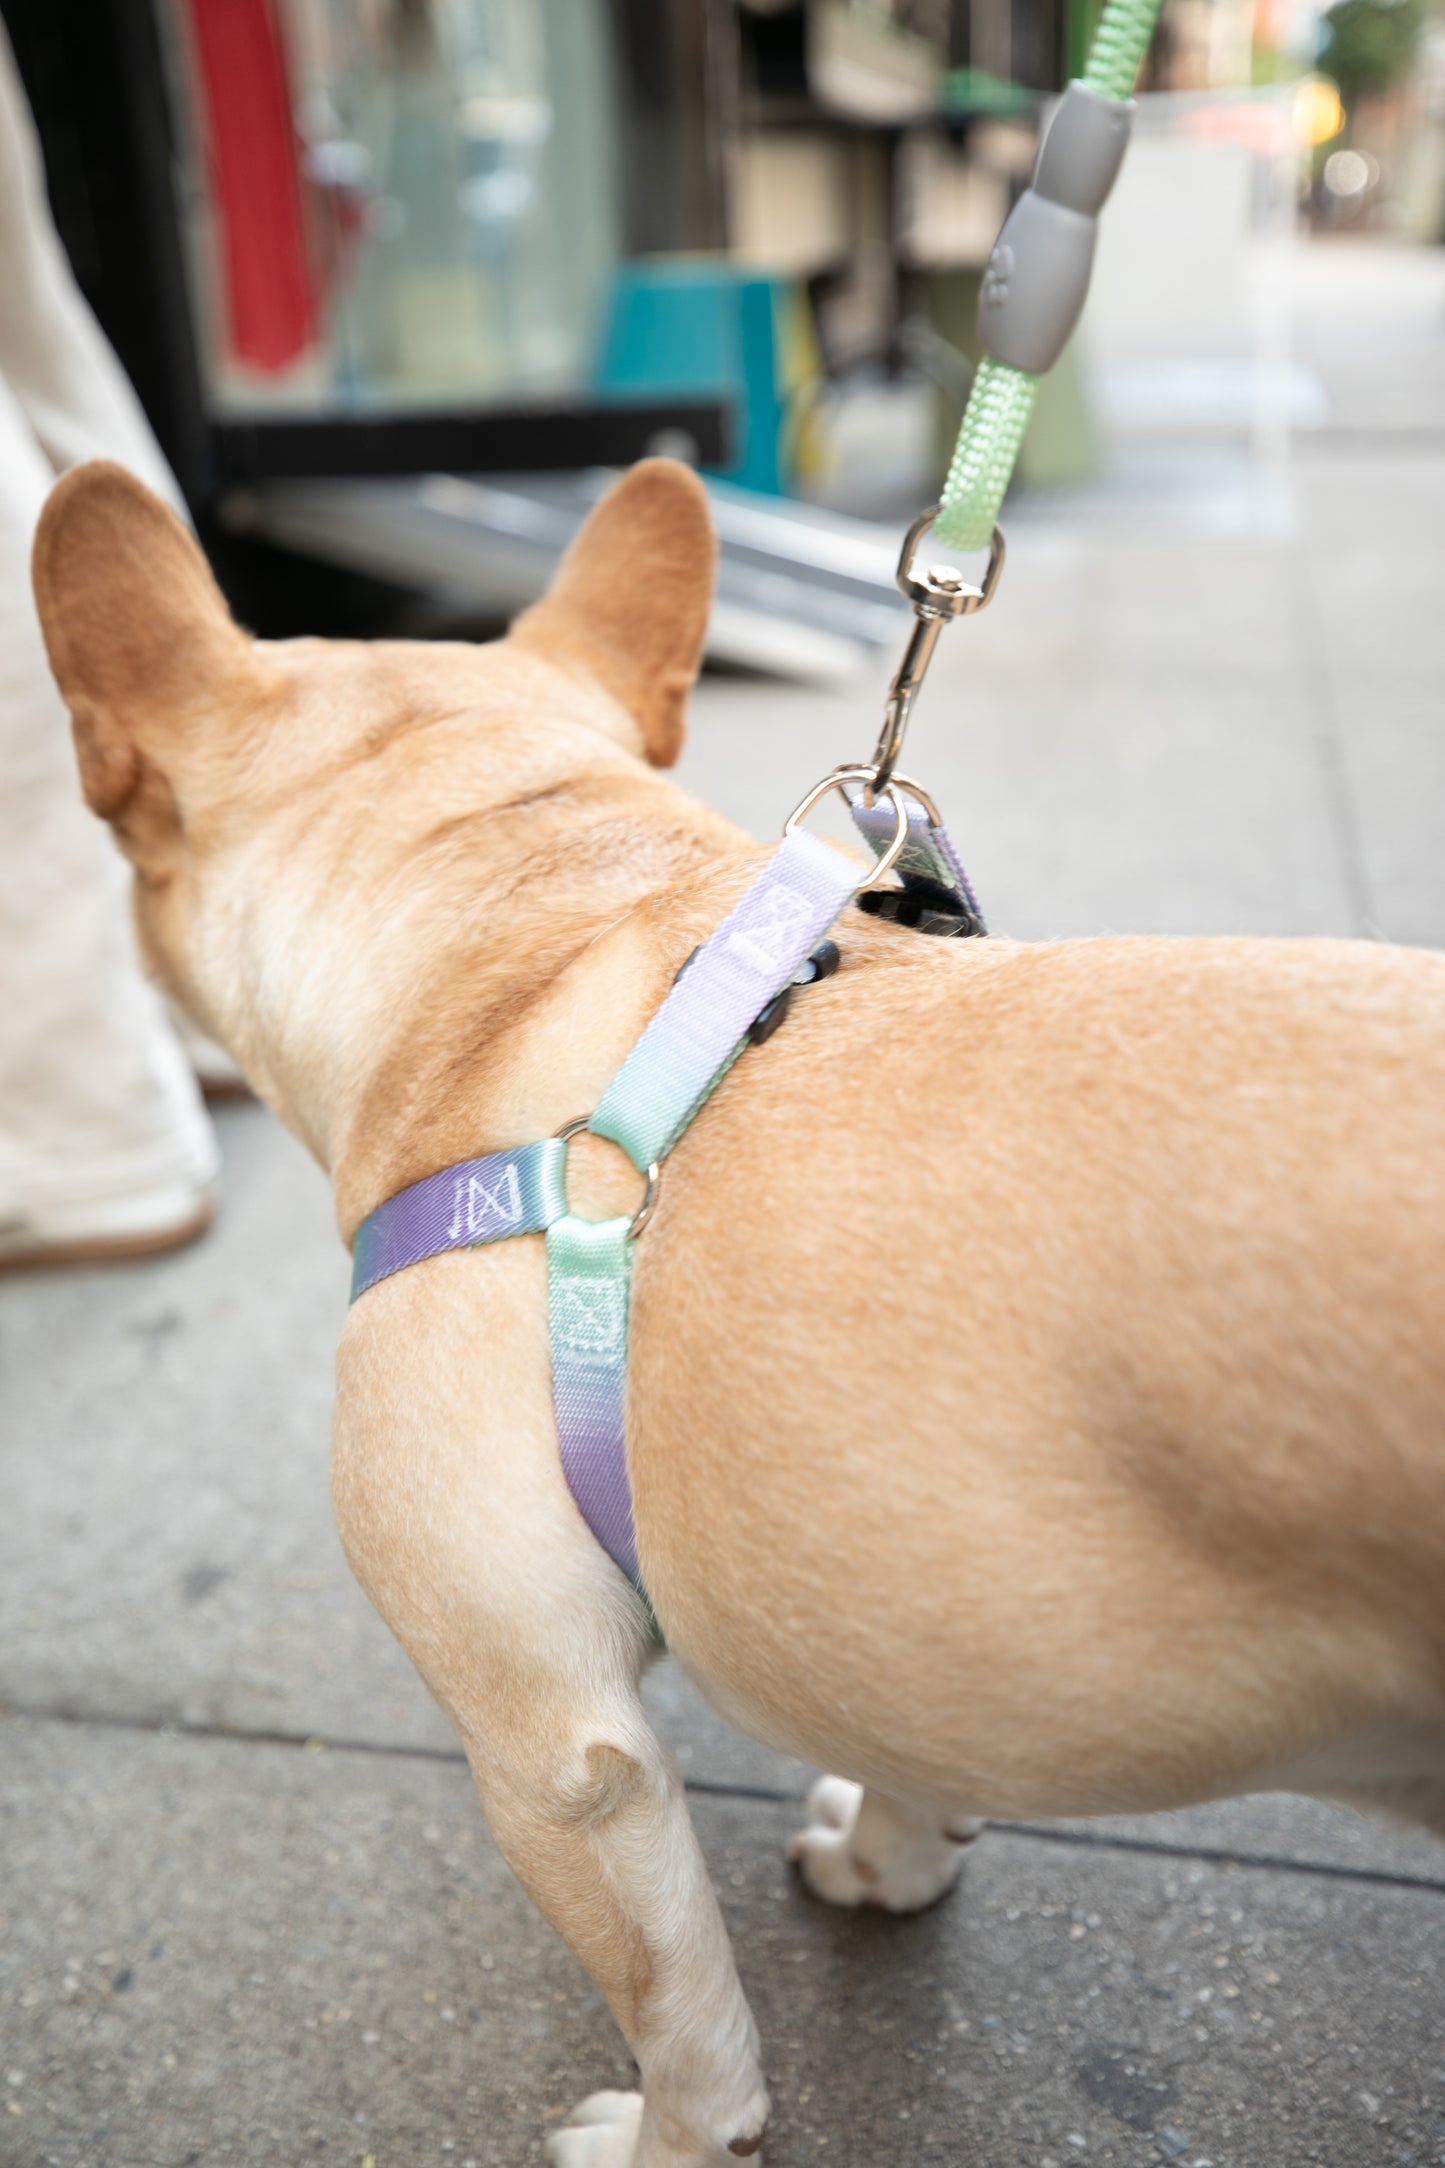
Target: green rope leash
1120,43
999,406
1002,397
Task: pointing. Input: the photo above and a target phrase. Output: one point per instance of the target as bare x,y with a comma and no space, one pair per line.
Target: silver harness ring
868,777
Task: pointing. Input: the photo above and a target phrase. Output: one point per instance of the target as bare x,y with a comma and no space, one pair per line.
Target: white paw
859,1850
834,1802
602,2133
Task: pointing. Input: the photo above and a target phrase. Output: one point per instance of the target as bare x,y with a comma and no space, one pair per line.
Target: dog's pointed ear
140,640
629,605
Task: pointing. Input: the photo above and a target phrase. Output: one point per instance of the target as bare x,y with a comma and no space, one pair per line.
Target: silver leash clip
938,595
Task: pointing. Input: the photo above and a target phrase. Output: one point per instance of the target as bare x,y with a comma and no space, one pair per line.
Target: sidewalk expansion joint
1219,1856
1332,757
1405,439
708,1788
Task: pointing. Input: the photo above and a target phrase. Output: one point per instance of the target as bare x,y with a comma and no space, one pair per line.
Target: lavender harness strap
683,1054
929,854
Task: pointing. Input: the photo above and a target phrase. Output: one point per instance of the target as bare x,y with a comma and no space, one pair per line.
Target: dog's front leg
455,1517
590,1815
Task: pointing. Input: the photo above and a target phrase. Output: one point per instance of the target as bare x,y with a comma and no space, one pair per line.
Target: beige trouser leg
102,1133
53,353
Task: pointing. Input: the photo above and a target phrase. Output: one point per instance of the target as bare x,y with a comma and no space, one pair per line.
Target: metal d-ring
911,789
643,1214
943,588
867,776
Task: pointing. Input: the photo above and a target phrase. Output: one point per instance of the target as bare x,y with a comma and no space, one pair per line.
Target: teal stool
701,326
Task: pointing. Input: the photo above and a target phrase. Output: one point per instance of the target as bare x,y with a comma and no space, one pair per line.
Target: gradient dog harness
693,1040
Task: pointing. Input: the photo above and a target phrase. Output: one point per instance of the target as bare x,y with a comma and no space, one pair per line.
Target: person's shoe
107,1231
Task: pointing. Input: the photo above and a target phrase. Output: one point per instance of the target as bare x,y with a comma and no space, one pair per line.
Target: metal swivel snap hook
938,595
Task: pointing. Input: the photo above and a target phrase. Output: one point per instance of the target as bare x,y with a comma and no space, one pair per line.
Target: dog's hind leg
861,1848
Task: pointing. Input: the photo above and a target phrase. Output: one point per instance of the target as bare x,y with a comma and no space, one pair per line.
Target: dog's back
1090,1430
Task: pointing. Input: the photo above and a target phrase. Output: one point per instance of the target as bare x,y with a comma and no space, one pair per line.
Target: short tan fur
1037,1401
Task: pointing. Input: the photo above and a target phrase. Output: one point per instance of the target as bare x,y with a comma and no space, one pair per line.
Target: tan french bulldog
1037,1401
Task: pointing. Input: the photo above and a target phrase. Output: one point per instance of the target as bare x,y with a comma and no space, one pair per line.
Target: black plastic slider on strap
924,906
823,962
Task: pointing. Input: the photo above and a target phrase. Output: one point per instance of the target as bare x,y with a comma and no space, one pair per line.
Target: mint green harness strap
1002,398
589,1277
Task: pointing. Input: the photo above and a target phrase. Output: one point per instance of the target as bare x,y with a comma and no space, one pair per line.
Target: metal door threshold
801,593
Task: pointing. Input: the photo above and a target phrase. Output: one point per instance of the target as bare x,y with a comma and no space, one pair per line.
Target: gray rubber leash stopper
1080,156
1037,277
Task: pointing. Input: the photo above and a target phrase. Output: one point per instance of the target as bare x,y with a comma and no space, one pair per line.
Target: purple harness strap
461,1208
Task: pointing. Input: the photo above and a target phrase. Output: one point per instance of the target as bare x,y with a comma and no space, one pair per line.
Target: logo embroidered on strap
589,1319
478,1210
770,940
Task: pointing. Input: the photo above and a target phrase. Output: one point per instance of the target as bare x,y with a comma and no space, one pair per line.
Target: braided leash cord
1002,397
999,405
1120,43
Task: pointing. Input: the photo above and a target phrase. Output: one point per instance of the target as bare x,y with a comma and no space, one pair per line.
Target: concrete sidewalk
248,1909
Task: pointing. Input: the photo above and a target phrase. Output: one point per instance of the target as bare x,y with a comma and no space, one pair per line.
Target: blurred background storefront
395,278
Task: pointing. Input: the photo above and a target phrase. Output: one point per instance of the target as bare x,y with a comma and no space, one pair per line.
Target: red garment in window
271,300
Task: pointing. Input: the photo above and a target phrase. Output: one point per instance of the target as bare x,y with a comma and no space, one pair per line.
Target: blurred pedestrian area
248,1908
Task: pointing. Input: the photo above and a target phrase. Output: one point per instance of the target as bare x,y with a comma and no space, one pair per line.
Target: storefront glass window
393,205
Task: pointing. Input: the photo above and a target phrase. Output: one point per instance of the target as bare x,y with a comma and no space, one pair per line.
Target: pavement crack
1331,751
708,1788
1405,440
165,1727
1218,1856
766,1794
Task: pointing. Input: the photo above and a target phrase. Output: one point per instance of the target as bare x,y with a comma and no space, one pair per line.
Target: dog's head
279,800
